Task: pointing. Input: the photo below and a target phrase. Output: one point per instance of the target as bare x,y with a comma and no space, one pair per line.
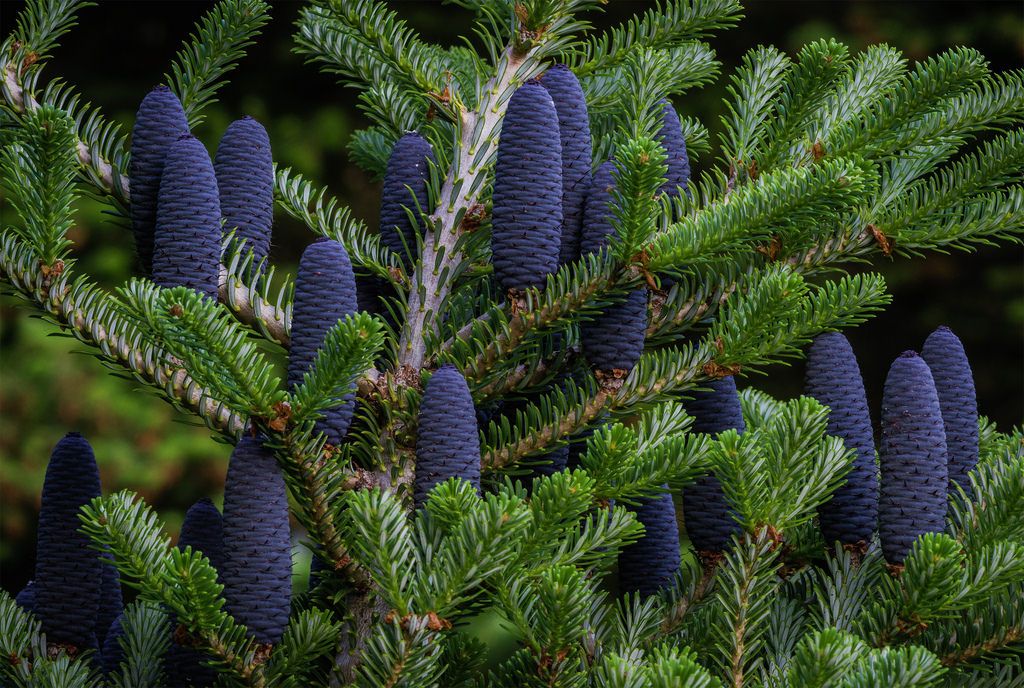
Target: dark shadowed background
121,50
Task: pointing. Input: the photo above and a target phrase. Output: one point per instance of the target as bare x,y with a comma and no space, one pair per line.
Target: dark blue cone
574,134
912,457
257,567
188,235
113,653
954,384
67,578
448,443
26,599
709,521
316,567
527,201
158,124
833,379
650,564
405,186
203,531
615,339
678,162
325,292
245,180
553,462
597,228
111,600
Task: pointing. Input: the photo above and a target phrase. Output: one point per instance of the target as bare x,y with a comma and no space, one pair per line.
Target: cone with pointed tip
405,187
650,563
709,521
954,383
111,600
526,231
159,122
67,578
833,378
912,457
202,530
574,135
614,340
113,653
245,180
325,292
257,566
678,162
187,243
447,443
26,599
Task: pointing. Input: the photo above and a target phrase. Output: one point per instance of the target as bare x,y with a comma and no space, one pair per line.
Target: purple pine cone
111,600
614,340
158,124
448,443
954,384
257,565
597,228
678,162
914,479
203,531
574,134
527,199
245,179
408,168
67,579
113,653
709,520
833,379
555,461
26,599
325,292
188,237
650,563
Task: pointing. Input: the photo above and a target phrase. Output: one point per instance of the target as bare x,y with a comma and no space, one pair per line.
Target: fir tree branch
79,306
219,41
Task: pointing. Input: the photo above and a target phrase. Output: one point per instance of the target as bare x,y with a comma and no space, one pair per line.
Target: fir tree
698,265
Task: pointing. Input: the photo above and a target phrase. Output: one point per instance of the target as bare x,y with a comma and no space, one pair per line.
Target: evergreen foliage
624,358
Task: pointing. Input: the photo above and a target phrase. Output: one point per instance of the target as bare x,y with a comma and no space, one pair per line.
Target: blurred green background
121,50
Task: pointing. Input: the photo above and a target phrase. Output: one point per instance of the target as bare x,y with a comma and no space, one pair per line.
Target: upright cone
245,179
677,160
574,135
111,600
257,544
650,564
447,442
188,235
325,292
709,521
912,499
67,578
833,379
954,384
159,122
527,199
405,189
